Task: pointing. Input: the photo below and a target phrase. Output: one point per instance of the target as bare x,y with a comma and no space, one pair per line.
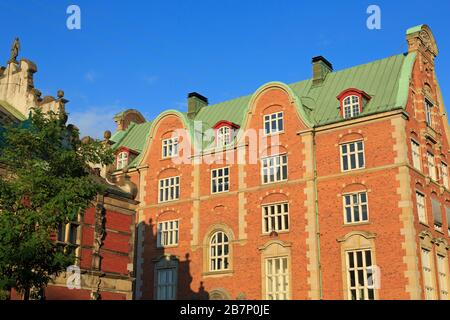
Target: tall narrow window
220,180
443,279
431,166
415,147
170,148
421,209
167,233
276,218
351,107
437,215
427,275
223,136
277,278
169,189
444,173
352,156
356,208
360,275
166,284
429,113
274,169
273,123
122,160
219,251
447,212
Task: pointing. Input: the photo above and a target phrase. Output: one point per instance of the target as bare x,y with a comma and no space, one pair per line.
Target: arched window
219,250
122,160
223,136
351,106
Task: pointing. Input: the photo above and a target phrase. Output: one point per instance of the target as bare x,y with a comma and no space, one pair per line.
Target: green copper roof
386,81
11,110
414,29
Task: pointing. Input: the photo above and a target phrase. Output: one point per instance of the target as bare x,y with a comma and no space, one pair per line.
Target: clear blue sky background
149,54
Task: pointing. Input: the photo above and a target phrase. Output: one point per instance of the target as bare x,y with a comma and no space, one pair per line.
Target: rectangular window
352,156
169,189
437,215
167,233
68,233
444,173
429,113
443,279
360,274
276,218
356,207
166,284
447,212
416,155
273,123
274,169
220,180
277,278
427,275
421,208
431,166
170,148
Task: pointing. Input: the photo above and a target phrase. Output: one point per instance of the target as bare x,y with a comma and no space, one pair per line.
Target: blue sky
150,54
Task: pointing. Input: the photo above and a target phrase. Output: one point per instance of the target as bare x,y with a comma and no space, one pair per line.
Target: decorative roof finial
14,51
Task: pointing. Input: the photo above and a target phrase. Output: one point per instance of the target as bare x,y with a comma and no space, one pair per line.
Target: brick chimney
195,102
321,67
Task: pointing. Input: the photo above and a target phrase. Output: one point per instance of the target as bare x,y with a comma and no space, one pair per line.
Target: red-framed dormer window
352,102
225,132
124,157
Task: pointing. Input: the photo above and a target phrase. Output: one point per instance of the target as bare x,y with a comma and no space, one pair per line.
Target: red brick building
335,187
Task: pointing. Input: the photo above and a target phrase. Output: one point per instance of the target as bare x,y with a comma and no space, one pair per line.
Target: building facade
335,187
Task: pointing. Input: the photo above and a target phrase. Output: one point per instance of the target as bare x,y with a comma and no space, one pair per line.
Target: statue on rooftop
15,50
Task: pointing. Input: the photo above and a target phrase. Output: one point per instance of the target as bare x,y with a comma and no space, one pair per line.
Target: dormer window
225,132
122,160
352,102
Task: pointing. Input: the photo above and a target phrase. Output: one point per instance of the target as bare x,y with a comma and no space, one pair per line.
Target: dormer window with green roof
352,102
225,132
122,160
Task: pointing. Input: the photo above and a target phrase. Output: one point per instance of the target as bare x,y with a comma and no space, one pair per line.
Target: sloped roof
5,106
386,81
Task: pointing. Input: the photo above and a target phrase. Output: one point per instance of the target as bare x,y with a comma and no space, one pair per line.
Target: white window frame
352,205
368,274
274,164
429,112
416,155
168,233
444,174
164,289
431,166
169,148
219,252
421,207
169,190
275,217
351,106
277,277
349,154
273,119
427,273
442,262
222,179
122,160
224,134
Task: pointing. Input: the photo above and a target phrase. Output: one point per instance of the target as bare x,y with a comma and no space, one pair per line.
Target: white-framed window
360,275
166,285
442,263
352,156
219,252
351,106
356,207
444,174
415,147
427,273
122,160
274,169
275,217
168,232
223,136
421,207
277,278
220,180
431,166
169,189
273,123
429,112
170,148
